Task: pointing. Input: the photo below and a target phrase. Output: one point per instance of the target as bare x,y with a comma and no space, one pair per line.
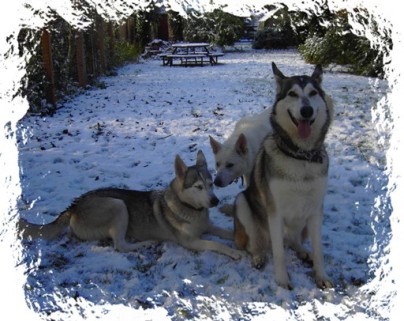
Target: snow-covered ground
126,132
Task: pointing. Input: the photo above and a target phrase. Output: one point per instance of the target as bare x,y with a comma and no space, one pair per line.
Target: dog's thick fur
236,156
178,214
284,201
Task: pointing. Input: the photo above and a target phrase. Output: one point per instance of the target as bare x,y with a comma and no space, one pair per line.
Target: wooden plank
186,56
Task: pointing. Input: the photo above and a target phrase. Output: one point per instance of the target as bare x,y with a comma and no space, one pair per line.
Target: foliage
127,52
34,83
277,31
218,27
270,39
146,24
326,38
176,23
340,45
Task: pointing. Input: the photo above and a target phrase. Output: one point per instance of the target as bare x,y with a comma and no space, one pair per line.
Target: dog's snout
214,201
306,111
218,182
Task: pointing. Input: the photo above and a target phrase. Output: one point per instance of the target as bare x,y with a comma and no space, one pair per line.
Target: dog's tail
48,231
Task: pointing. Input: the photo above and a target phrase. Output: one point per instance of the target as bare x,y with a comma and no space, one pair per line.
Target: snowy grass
127,132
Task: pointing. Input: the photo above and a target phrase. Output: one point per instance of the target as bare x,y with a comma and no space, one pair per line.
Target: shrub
273,39
126,52
216,27
326,38
340,46
277,31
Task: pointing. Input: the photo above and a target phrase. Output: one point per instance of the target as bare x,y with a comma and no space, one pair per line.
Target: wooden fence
90,55
93,52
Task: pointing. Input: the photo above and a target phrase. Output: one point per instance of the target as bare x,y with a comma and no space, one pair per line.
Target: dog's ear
180,168
216,146
279,76
318,74
201,160
241,145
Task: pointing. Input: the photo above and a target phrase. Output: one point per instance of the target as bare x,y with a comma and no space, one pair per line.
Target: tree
218,27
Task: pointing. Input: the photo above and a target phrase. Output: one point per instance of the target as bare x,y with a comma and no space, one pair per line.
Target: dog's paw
283,281
236,255
286,286
324,283
258,261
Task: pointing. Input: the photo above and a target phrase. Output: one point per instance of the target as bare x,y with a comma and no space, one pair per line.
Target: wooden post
92,67
111,49
122,32
48,66
130,26
170,26
163,27
101,44
81,59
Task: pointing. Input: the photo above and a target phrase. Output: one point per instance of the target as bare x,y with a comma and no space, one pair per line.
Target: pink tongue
304,129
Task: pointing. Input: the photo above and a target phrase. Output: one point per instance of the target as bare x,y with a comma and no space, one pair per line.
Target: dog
179,214
235,157
284,201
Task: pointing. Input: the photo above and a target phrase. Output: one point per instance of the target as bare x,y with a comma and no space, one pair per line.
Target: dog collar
287,147
312,156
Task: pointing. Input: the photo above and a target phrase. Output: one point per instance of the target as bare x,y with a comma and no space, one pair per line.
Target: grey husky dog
284,201
178,214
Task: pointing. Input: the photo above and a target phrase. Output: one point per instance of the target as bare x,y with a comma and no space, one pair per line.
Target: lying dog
178,214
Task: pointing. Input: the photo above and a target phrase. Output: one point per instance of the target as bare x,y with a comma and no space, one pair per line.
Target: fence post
81,59
101,43
130,26
111,44
48,66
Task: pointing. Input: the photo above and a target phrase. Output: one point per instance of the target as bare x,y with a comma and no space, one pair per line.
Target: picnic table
192,53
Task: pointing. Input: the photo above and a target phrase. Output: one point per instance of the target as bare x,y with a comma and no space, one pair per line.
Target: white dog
236,156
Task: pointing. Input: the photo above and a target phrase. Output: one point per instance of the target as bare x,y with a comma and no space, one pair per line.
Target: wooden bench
190,59
213,57
190,54
185,59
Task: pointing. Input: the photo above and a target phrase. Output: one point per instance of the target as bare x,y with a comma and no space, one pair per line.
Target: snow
126,133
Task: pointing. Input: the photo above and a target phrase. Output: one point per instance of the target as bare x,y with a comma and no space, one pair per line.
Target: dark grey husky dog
178,214
284,201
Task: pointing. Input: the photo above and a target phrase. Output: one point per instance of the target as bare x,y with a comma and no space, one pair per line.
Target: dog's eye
229,165
292,94
313,93
217,164
200,187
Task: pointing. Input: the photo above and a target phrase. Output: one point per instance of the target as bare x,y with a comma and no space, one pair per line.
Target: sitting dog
284,200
